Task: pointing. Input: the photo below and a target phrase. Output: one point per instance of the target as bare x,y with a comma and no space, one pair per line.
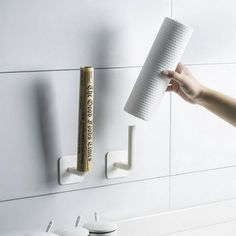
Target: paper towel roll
165,53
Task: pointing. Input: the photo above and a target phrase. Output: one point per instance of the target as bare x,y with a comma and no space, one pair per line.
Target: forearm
222,105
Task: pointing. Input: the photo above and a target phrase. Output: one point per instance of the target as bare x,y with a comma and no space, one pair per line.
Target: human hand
184,84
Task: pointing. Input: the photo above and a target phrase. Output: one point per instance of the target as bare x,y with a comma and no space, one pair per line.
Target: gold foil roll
85,136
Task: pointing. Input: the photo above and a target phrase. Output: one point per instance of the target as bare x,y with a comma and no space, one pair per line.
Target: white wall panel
214,23
67,34
200,139
39,120
39,110
202,187
113,203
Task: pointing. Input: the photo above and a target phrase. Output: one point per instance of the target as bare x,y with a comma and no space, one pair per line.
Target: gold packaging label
85,137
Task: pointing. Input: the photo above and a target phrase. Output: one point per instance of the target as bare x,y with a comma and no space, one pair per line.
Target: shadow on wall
47,119
102,50
107,39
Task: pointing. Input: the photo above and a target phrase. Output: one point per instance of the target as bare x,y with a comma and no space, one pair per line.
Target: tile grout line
67,69
170,131
198,227
210,64
81,189
170,148
203,170
205,203
114,184
108,68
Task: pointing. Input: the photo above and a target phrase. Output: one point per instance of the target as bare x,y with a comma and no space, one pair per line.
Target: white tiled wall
201,140
67,34
181,154
129,199
40,119
214,38
203,187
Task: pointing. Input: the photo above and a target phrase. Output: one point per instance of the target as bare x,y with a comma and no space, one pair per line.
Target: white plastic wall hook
67,170
120,163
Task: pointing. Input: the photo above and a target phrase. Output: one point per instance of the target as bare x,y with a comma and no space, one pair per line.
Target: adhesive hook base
67,172
120,163
112,171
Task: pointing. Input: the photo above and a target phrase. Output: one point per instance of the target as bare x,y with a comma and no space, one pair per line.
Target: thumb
173,75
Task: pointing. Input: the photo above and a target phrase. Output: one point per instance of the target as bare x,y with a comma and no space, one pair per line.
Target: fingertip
165,72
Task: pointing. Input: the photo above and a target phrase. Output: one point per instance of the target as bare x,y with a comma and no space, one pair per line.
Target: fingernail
165,72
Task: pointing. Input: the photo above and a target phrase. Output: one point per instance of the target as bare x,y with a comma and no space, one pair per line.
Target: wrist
203,95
